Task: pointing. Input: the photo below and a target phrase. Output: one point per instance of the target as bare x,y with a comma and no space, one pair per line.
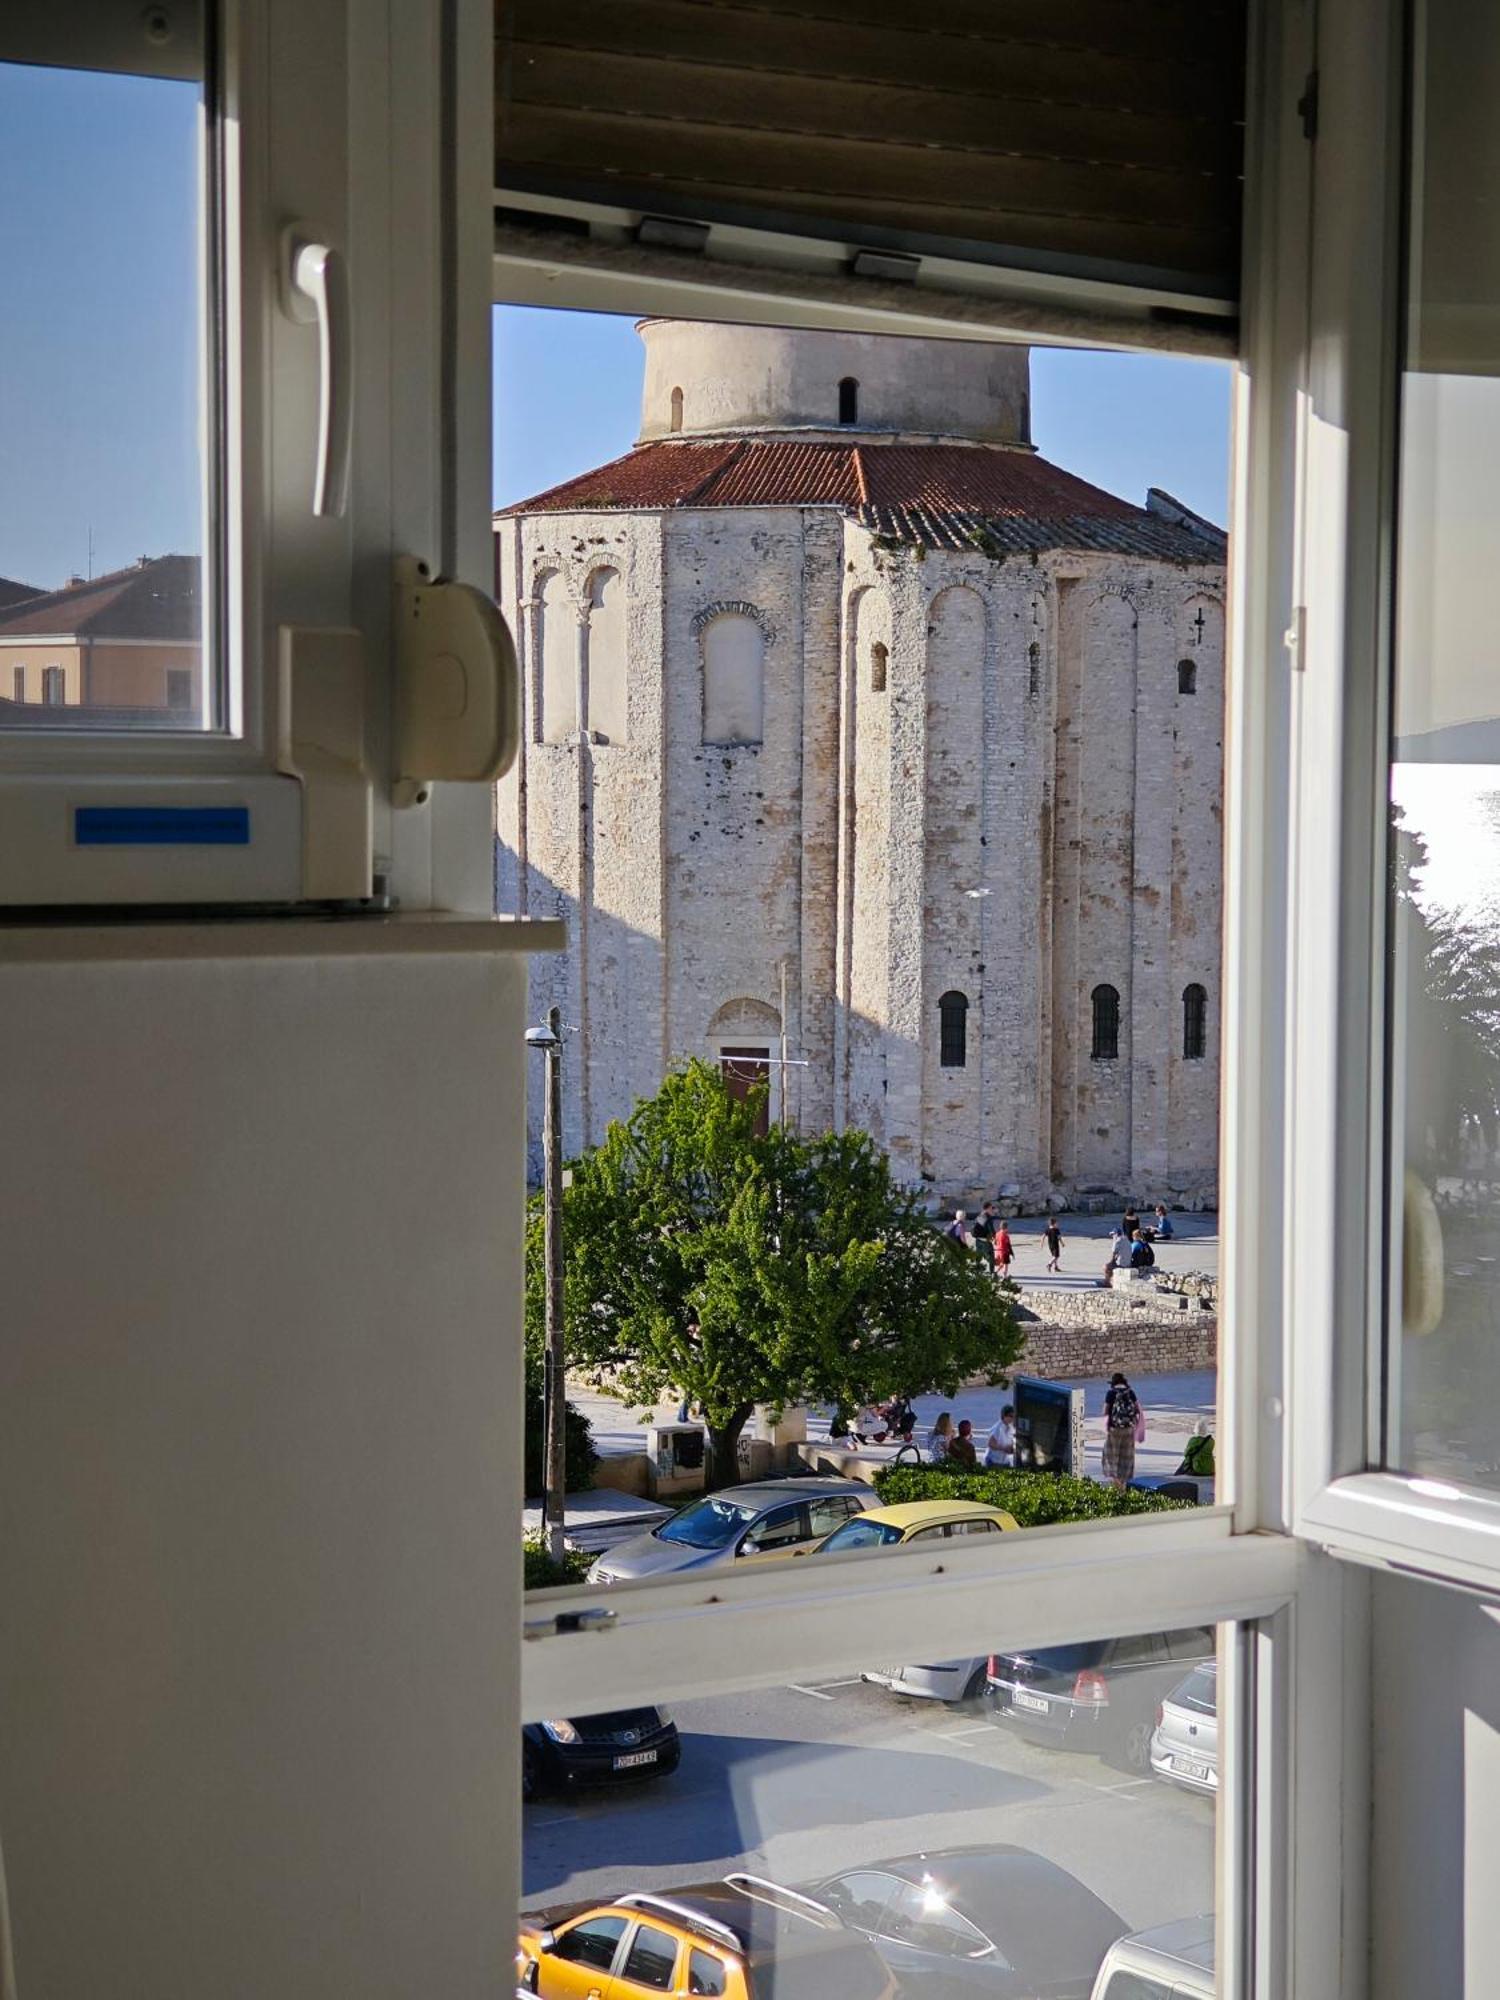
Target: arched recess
744,1039
607,690
676,409
734,675
849,400
556,662
1194,1022
1106,1024
953,1030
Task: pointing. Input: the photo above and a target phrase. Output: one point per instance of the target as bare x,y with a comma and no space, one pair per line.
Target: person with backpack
1124,1427
1142,1256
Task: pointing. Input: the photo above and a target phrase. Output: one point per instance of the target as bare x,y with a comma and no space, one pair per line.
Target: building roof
12,592
156,598
939,496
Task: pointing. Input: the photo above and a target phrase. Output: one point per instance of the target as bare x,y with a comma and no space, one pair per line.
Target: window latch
598,1619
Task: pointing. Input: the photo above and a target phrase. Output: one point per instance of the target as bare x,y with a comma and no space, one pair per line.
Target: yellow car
742,1939
915,1521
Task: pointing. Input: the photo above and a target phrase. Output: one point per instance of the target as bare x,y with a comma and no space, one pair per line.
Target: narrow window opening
1194,1023
849,400
1187,676
677,409
1106,1002
953,1023
54,692
879,659
1033,669
18,682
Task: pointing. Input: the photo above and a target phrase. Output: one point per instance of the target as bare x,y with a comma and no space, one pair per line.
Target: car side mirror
546,1941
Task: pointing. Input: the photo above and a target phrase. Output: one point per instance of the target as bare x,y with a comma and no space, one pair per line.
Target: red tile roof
936,495
157,598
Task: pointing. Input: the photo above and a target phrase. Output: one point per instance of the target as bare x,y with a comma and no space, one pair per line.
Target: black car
630,1743
994,1921
1101,1695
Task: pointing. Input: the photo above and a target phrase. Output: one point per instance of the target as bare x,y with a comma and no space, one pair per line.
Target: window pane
105,425
1445,785
651,1959
1030,1823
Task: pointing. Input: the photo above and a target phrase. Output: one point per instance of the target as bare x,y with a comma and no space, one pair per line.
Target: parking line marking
953,1735
1129,1785
852,1682
817,1693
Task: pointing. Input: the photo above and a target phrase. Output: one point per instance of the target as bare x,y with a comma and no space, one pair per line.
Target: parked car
628,1743
767,1518
1100,1695
1185,1744
996,1921
923,1521
1171,1962
741,1938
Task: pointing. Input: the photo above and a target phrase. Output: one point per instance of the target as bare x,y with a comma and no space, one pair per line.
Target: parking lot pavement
796,1782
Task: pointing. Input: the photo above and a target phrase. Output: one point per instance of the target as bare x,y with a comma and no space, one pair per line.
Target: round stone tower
724,381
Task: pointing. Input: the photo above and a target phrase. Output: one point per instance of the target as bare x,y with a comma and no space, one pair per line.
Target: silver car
1185,1742
1171,1962
762,1522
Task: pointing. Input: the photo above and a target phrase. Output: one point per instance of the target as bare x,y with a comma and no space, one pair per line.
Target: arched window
879,661
677,409
1187,676
953,1024
1106,1024
734,679
849,400
1194,1023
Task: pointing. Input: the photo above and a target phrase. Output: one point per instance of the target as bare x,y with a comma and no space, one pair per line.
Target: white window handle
315,287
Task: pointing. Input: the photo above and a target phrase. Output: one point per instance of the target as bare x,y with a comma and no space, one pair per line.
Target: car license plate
1019,1698
635,1759
1188,1769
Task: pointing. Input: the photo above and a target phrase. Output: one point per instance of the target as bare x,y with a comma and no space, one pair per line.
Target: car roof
770,1492
921,1513
1018,1897
1168,1947
762,1928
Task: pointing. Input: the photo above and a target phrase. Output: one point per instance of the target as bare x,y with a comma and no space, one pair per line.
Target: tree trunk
724,1447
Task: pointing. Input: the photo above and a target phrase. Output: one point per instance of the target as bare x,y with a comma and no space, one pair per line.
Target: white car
1185,1742
948,1680
1171,1962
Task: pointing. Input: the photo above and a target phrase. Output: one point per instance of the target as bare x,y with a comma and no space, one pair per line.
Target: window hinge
598,1620
1307,106
1294,638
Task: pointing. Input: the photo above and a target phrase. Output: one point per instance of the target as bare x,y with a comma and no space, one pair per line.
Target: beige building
129,640
866,750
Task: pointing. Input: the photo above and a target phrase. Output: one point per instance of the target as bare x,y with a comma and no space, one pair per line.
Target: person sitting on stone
1120,1253
961,1452
1161,1225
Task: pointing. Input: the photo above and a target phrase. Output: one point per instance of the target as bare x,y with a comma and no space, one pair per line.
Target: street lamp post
554,1408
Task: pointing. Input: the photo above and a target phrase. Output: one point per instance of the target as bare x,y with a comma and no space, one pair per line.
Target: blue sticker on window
161,826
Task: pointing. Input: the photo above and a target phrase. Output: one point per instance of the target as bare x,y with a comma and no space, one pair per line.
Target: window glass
1014,1845
1136,1986
862,1534
1444,1295
706,1974
779,1529
107,443
591,1943
824,1516
651,1960
708,1524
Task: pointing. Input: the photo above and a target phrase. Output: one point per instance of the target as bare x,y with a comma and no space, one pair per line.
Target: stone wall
1138,1347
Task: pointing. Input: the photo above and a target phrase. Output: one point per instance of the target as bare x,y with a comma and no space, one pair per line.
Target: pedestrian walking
958,1230
984,1228
1052,1236
1124,1427
1005,1250
939,1437
1001,1449
961,1452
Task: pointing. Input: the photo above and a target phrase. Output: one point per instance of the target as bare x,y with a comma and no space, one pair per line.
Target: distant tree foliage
702,1260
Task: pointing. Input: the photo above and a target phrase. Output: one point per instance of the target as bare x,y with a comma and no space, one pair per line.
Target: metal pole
554,1483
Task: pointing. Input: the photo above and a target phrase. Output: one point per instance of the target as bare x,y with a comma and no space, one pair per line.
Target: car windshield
708,1524
862,1533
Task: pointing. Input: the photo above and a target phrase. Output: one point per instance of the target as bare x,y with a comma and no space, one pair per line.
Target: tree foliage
705,1260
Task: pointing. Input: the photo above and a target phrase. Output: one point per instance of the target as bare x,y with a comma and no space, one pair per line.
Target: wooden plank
586,80
737,38
760,165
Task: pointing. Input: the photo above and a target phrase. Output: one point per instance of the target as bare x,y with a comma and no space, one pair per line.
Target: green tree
703,1259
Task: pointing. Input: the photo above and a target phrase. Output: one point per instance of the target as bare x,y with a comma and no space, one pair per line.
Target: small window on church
1187,676
1194,1023
849,400
953,1022
1106,1024
1033,668
879,659
677,409
734,679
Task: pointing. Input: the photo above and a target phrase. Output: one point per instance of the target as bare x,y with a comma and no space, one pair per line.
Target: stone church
867,752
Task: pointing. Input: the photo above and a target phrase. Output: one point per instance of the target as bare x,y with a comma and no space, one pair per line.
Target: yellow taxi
915,1521
737,1939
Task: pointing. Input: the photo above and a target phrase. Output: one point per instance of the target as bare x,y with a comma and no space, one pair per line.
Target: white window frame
1293,1807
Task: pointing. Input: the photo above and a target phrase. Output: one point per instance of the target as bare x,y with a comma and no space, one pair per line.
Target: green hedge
1035,1498
542,1570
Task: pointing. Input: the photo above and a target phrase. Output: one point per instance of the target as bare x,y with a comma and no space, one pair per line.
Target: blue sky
568,386
98,330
